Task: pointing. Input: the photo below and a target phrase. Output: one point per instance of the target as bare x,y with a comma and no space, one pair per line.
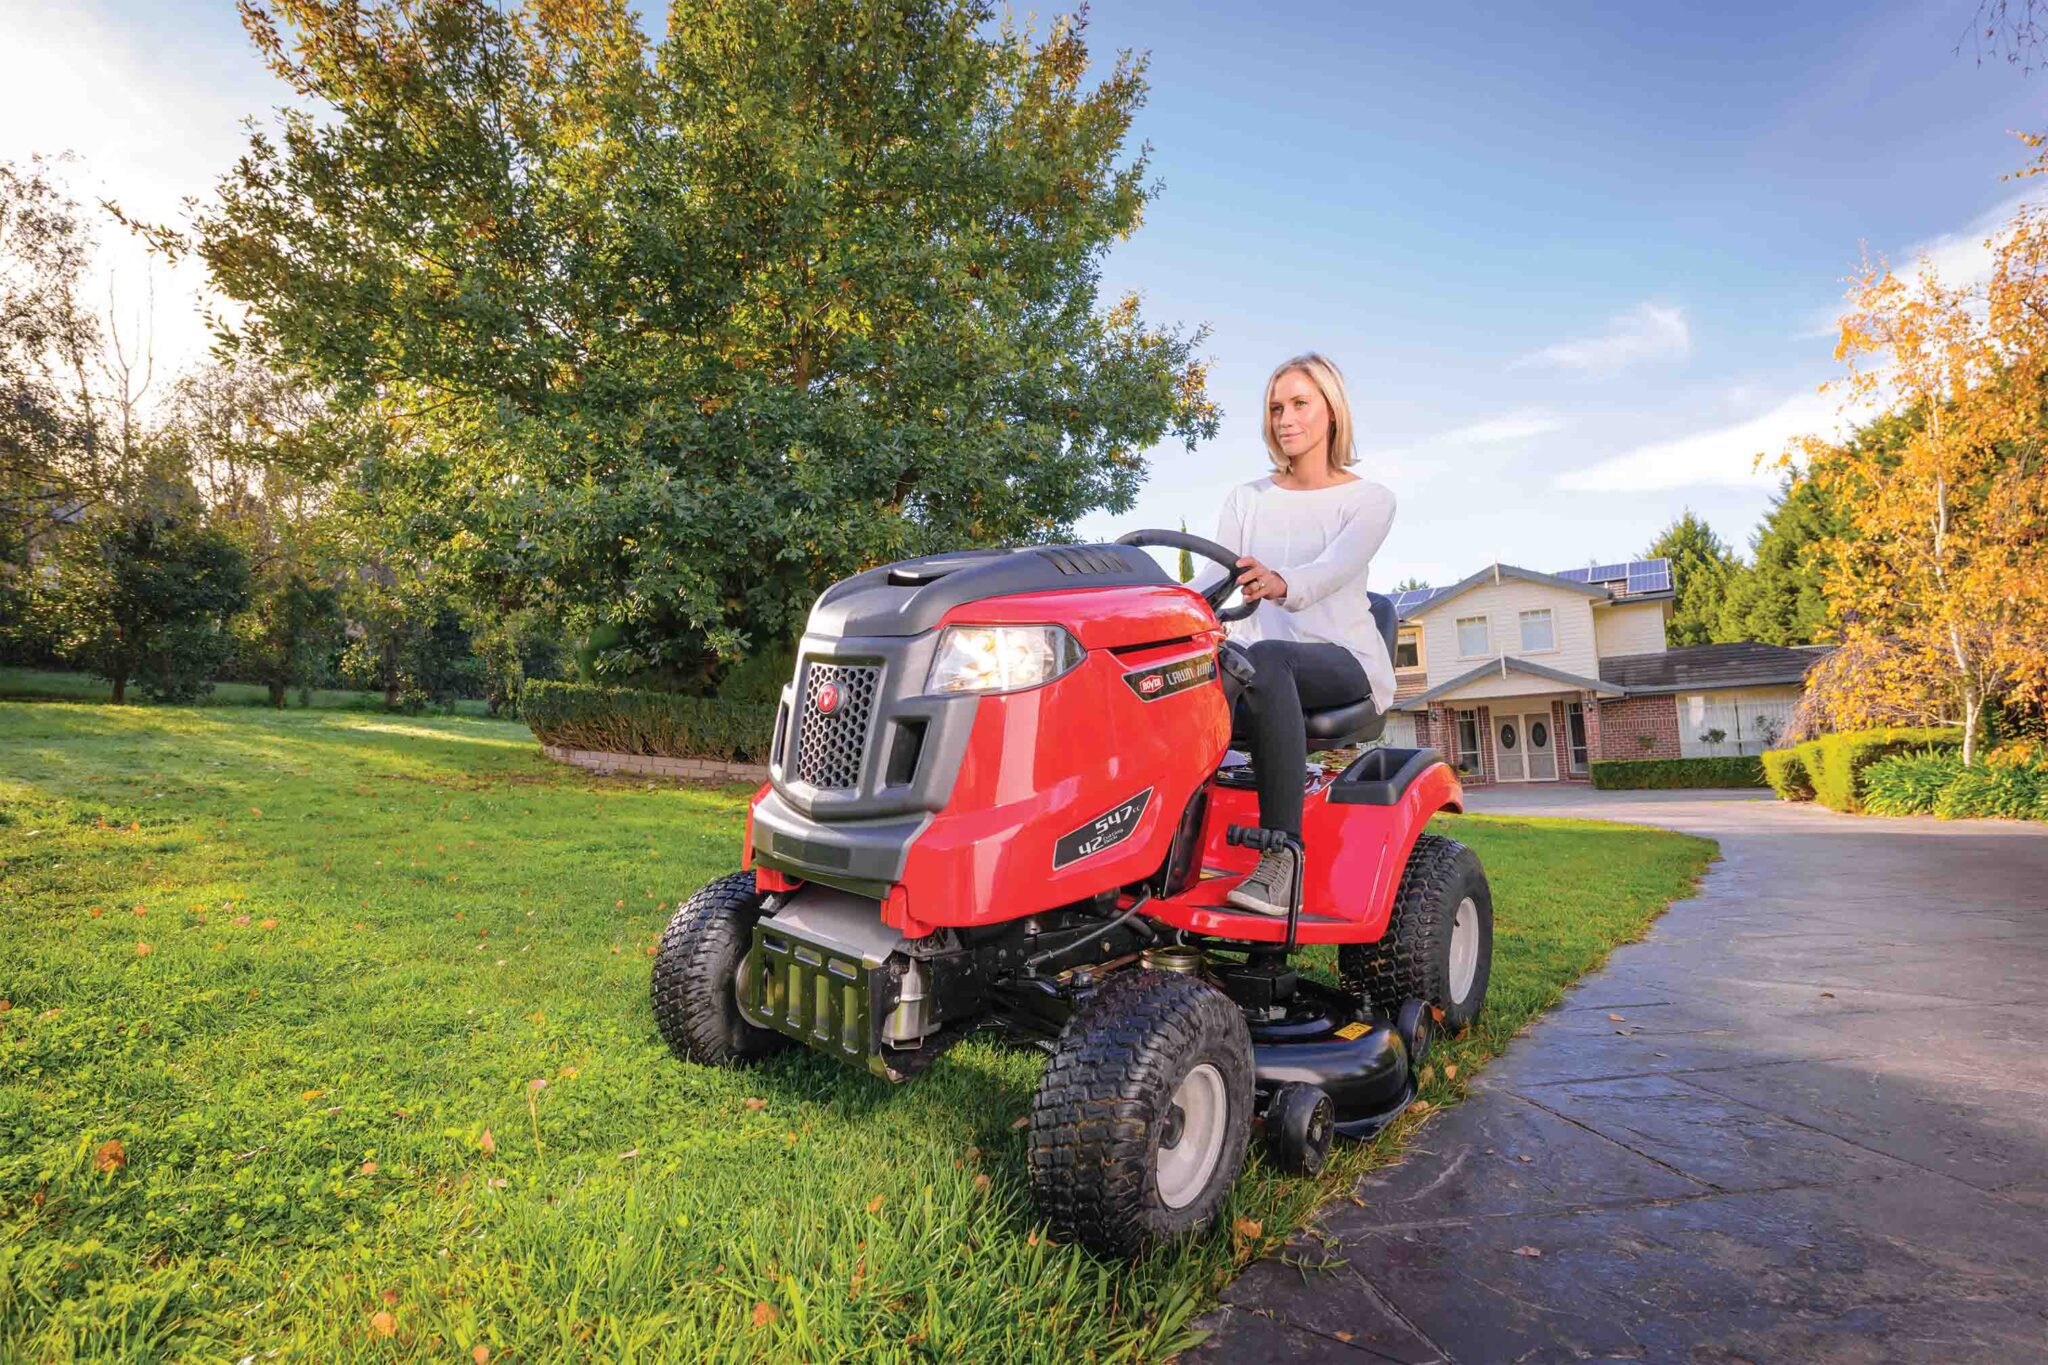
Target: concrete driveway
1805,1119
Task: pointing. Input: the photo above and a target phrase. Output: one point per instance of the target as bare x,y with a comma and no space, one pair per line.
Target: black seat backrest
1387,619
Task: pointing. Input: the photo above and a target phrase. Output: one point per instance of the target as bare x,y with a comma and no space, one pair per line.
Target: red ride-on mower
999,796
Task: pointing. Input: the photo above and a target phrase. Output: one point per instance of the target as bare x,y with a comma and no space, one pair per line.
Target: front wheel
1438,946
696,969
1140,1125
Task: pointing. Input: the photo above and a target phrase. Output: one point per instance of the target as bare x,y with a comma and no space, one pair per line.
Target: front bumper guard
825,971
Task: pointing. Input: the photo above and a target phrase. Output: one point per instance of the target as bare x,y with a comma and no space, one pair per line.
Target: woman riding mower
1307,534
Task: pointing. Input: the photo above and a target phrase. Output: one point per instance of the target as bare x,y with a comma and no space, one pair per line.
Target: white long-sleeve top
1321,541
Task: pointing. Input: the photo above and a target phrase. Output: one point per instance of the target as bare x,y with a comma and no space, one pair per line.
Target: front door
1507,749
1540,747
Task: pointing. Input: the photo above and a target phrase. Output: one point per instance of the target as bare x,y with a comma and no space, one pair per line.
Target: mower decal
1104,831
1177,675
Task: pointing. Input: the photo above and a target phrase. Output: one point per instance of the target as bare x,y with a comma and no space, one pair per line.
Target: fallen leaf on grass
498,1182
981,1183
369,1168
311,1095
383,1324
567,1073
390,1297
755,1105
6,1005
1527,1251
241,921
111,1156
143,949
1023,1121
481,1355
93,913
1450,1071
268,924
487,1144
765,1313
141,910
1248,1228
629,1154
875,1204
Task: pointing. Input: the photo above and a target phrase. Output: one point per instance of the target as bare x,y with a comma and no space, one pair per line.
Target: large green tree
144,594
1780,597
669,334
1701,565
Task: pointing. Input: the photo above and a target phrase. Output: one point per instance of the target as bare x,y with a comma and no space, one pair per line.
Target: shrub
1787,774
657,724
1835,763
1909,783
2009,793
1625,774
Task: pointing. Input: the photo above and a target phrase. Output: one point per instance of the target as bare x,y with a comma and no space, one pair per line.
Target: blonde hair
1329,381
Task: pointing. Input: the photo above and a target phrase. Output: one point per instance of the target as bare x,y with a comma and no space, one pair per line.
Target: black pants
1292,676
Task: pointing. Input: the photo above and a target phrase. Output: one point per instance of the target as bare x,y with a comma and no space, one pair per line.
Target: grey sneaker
1270,886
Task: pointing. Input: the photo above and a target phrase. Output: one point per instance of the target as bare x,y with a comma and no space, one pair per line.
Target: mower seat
1336,727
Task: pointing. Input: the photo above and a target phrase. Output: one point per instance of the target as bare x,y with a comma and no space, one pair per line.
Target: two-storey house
1519,676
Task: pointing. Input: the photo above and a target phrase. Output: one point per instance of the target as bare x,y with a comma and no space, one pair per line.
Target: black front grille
830,746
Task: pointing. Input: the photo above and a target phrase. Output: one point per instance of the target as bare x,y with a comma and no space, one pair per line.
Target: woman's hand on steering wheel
1259,583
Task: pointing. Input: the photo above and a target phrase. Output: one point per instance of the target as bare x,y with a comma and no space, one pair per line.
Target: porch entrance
1524,747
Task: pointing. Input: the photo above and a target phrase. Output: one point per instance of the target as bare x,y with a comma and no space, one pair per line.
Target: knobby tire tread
693,976
1096,1117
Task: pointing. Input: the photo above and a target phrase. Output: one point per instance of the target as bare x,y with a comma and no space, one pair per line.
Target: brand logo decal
828,699
1107,830
1178,675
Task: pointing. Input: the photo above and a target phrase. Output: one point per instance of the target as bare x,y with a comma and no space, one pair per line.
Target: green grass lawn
307,969
41,684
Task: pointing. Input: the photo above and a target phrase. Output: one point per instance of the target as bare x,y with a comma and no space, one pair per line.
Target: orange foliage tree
1943,567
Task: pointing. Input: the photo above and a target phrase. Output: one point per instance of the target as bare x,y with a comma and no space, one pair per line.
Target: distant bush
1835,763
1636,774
657,724
1787,774
1909,783
2005,786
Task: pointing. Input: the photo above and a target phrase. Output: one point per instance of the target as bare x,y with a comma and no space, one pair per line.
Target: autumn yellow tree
1941,568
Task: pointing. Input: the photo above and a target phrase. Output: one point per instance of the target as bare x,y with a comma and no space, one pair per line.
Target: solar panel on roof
1573,575
1602,573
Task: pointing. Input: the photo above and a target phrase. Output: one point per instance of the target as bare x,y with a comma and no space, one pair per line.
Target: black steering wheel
1207,549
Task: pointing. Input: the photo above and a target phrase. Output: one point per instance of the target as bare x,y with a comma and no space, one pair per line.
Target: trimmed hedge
1787,774
657,724
1638,774
1835,763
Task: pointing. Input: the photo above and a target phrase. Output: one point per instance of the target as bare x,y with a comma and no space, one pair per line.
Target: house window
1408,649
1468,741
1538,633
1575,718
1471,637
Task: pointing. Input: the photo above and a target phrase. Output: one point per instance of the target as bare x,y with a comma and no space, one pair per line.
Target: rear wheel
696,1005
1140,1124
1438,947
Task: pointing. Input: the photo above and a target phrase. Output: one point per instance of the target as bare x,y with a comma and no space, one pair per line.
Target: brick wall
1624,721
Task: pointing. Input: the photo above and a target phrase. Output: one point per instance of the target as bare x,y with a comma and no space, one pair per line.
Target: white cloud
1962,258
1520,425
1646,332
1723,456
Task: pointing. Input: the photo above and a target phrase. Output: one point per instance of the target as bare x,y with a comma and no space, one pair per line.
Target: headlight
1001,658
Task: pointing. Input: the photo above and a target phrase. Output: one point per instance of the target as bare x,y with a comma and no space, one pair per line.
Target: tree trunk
1973,708
276,696
120,689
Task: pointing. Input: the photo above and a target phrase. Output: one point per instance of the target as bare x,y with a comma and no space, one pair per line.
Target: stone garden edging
644,765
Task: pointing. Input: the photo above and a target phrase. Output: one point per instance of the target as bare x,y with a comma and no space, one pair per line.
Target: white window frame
1459,720
1550,619
1404,635
1576,745
1486,649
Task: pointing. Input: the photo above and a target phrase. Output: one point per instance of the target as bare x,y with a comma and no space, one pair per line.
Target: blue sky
1577,264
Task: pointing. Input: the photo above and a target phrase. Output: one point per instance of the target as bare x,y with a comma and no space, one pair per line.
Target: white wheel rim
1464,950
1185,1167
